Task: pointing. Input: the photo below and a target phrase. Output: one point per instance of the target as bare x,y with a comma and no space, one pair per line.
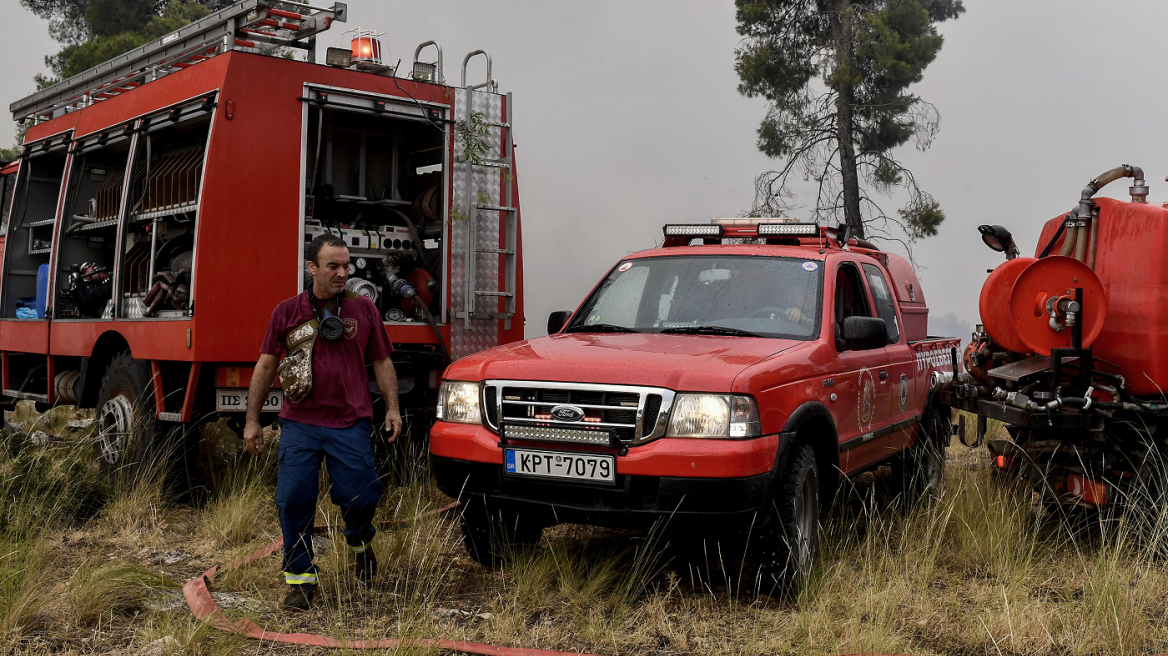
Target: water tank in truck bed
1131,260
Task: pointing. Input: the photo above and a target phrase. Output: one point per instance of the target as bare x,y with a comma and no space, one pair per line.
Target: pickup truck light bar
675,233
693,230
788,229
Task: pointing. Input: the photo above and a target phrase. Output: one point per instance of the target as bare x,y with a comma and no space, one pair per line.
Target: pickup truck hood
703,363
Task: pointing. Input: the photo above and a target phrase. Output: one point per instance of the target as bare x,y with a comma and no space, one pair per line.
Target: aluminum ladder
509,228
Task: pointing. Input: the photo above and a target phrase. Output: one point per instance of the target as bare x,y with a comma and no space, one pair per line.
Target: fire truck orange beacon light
366,48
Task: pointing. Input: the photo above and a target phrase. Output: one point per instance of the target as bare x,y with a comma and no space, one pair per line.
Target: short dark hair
320,242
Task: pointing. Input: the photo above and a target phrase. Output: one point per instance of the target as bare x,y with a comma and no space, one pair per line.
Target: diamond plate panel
475,185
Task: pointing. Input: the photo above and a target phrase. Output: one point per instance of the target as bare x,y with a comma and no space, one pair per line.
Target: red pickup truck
724,382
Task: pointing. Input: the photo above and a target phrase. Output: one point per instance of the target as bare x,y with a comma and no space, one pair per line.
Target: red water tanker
1072,351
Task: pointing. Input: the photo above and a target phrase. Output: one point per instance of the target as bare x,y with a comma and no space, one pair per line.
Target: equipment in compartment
377,184
89,286
376,259
163,212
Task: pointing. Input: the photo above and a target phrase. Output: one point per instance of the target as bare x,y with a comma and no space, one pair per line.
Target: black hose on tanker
1076,241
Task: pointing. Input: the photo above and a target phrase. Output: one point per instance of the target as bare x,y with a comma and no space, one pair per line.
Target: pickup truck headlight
459,403
713,415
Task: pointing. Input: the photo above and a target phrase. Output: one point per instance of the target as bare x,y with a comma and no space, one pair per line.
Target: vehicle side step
170,416
43,398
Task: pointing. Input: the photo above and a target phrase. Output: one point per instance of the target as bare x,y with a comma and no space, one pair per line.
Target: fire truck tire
127,431
492,536
918,475
783,549
1151,489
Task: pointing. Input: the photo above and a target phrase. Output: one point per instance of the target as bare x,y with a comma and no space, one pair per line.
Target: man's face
332,272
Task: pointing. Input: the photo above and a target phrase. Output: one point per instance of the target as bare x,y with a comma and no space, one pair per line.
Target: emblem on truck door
567,413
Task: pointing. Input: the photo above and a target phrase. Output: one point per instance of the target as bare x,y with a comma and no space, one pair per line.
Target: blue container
42,293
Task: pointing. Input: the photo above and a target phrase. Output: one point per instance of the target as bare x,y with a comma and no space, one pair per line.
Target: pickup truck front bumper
730,480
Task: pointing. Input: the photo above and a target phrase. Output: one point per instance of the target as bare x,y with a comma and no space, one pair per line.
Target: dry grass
110,589
984,569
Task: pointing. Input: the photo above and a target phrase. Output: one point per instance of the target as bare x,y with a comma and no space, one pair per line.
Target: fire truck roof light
692,230
786,229
342,57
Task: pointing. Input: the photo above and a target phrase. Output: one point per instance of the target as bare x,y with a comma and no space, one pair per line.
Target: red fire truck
726,387
163,200
1072,355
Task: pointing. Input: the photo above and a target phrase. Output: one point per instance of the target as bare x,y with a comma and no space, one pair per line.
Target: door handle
883,375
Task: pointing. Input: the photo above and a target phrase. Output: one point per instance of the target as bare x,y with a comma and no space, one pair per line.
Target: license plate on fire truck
553,464
235,400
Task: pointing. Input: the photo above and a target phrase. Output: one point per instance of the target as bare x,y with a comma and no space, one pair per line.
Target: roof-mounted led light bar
788,229
692,230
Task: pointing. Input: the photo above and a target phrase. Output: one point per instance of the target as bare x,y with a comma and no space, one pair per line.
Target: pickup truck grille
608,414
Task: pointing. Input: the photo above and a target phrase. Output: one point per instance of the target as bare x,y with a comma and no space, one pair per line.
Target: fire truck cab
163,201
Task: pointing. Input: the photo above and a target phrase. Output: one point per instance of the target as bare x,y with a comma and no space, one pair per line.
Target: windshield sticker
810,266
625,267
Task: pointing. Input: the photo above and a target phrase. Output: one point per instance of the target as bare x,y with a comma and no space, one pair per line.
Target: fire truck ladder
509,223
241,26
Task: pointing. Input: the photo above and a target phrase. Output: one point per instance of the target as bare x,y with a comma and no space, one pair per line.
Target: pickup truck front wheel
493,535
785,547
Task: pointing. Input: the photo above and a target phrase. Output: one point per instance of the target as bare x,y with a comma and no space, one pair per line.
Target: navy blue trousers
353,485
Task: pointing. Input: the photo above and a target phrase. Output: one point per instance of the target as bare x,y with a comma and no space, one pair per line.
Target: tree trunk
850,178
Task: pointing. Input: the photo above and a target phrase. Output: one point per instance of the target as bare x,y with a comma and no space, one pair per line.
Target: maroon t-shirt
340,394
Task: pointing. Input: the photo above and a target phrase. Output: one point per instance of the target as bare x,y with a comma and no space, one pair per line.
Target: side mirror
556,321
843,234
863,333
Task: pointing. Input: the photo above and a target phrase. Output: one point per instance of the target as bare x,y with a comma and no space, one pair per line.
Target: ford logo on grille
567,413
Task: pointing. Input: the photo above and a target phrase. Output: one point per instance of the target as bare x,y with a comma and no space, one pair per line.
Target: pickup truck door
863,398
904,408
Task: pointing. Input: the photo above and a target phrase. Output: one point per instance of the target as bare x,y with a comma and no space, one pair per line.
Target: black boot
299,597
365,565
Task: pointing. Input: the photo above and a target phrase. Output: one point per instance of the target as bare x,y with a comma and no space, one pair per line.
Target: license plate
558,464
235,400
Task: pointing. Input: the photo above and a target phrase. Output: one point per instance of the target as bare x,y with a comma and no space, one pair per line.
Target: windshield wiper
602,328
710,330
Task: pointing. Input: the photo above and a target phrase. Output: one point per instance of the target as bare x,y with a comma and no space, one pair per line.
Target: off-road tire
128,444
1149,490
918,475
492,536
782,550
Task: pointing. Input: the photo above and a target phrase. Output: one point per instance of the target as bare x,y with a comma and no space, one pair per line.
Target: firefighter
327,334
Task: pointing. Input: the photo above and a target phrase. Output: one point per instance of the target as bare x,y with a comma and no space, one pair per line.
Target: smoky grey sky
627,117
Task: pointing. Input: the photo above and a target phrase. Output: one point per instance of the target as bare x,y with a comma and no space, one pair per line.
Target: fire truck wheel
1151,483
125,418
493,535
919,474
783,549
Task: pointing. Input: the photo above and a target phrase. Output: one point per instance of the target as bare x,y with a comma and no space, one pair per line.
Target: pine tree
836,74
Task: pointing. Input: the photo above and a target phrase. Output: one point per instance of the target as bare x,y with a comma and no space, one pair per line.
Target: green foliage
114,31
473,133
836,74
922,216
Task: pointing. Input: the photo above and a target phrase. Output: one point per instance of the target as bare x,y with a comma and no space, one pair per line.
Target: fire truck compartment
88,242
162,213
376,182
30,232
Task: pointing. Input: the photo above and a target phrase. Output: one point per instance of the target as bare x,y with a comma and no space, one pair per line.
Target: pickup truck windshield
707,295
